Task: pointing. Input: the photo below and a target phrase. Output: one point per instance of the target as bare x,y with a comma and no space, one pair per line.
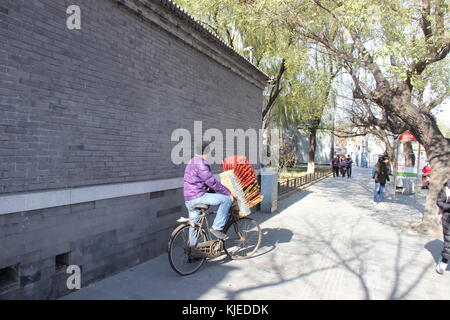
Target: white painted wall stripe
54,198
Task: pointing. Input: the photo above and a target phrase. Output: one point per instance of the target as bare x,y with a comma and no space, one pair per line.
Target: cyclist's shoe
219,234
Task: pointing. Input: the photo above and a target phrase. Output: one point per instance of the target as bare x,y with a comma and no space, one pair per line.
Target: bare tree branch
276,89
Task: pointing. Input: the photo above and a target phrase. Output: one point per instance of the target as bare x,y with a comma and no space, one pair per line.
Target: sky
442,113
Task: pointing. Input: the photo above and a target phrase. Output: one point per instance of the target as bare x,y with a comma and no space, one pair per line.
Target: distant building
364,150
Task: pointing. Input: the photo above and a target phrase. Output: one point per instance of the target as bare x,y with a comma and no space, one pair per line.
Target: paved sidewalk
328,242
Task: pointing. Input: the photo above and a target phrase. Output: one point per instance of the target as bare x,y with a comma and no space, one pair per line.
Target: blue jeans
213,199
379,192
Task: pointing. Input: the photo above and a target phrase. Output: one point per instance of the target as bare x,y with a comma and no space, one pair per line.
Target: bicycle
187,253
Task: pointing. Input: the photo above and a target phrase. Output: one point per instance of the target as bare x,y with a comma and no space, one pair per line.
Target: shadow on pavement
336,245
389,275
407,200
395,213
326,245
435,248
355,257
271,237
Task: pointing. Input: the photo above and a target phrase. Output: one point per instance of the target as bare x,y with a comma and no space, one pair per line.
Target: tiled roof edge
199,26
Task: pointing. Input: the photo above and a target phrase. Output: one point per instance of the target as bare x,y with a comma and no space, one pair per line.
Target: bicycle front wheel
244,239
179,250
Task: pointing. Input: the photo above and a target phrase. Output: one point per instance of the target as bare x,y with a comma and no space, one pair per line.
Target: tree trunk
439,160
389,148
437,148
390,152
424,128
267,147
274,92
312,150
408,154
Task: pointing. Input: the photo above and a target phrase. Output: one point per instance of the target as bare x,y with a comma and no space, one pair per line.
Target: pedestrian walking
443,202
343,166
335,166
380,175
349,162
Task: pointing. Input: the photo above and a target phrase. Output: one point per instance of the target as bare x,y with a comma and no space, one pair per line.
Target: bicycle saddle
201,206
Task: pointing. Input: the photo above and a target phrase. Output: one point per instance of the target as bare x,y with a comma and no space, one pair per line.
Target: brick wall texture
99,105
102,237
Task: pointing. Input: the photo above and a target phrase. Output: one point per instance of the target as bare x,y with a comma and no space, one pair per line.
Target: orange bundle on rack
240,177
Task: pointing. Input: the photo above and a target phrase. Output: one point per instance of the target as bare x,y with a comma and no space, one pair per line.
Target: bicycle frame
202,222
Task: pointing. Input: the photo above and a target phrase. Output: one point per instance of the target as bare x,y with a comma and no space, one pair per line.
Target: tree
368,118
245,27
309,96
389,63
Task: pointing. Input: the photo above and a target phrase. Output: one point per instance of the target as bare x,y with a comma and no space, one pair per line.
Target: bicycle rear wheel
178,250
244,239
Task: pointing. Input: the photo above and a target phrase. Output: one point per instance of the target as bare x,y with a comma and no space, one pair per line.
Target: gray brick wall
98,105
103,237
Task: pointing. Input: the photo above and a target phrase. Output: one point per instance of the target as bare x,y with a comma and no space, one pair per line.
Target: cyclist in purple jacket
199,181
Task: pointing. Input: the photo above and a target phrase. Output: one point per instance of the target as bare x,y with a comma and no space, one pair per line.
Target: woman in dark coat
349,162
343,166
381,176
335,165
443,202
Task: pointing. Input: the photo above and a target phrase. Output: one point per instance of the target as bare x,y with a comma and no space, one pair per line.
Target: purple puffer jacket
198,178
